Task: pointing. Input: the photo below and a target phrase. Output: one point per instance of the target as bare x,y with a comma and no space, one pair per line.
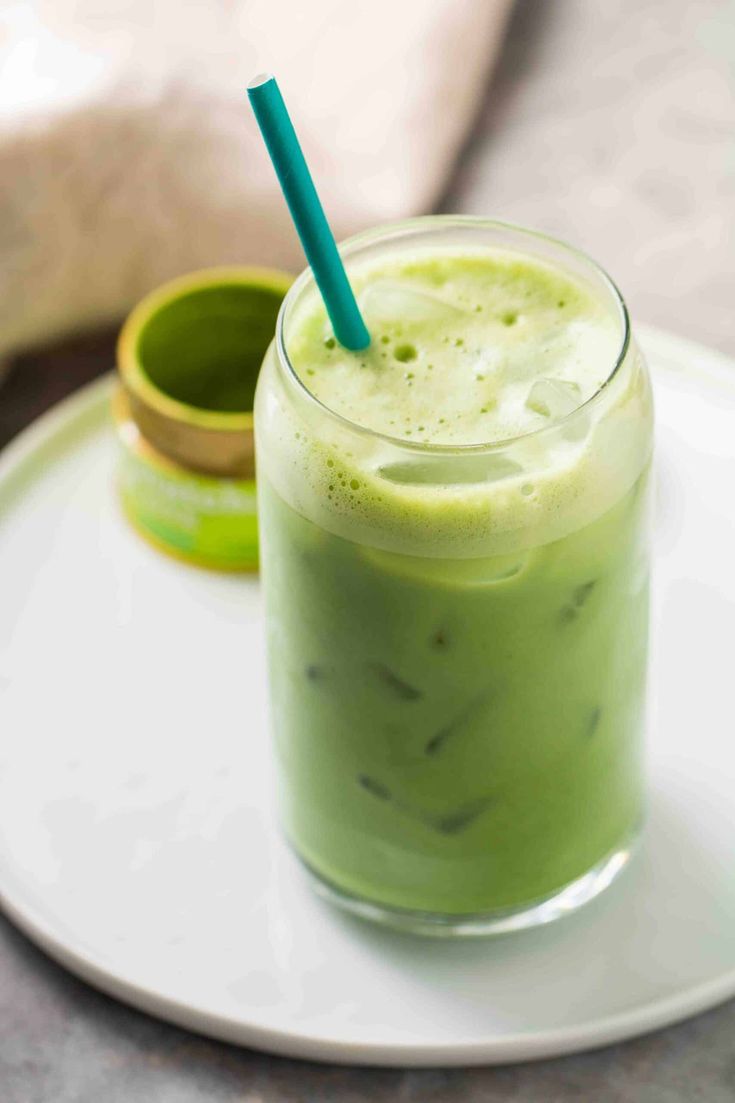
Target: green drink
455,563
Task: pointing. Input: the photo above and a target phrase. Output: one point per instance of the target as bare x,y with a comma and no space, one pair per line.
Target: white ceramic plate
136,839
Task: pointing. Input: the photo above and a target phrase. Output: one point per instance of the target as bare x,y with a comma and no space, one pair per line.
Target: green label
204,518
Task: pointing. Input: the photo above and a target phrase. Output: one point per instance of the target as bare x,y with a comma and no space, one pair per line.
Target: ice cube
387,301
553,398
451,472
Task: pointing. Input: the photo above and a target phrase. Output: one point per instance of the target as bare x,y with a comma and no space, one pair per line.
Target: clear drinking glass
458,700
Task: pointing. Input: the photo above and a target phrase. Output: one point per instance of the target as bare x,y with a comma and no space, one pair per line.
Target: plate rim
300,1043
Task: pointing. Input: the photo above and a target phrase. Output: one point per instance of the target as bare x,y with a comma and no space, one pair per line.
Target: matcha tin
188,357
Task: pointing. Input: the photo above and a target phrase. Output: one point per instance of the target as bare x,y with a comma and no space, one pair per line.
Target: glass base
500,921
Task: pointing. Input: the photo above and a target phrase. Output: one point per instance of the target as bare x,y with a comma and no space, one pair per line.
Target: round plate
136,839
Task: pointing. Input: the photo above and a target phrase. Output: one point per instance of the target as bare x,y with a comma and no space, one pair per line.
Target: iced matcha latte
455,563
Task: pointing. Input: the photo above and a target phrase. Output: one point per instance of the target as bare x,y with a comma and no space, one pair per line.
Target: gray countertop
611,125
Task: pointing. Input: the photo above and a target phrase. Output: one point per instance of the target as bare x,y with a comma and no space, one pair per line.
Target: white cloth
128,152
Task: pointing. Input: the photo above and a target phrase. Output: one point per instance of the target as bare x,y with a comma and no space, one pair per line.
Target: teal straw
307,212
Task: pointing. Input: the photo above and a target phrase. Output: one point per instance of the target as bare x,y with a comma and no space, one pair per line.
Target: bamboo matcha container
188,358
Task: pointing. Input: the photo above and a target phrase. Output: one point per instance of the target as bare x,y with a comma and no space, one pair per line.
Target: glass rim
393,230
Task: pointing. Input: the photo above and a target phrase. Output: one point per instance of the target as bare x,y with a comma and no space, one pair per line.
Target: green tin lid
189,356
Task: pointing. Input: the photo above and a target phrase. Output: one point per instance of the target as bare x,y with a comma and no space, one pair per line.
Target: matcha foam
466,349
479,347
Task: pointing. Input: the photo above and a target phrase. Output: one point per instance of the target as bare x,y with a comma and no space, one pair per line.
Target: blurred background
128,153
